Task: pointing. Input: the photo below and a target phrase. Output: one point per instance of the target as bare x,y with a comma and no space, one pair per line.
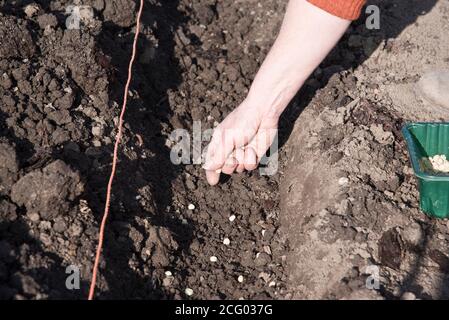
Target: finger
213,176
229,166
219,149
261,142
250,161
239,155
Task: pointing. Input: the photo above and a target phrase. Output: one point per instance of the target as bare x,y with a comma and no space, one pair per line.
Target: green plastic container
424,140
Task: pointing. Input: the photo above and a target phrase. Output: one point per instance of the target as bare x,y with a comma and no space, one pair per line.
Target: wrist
271,99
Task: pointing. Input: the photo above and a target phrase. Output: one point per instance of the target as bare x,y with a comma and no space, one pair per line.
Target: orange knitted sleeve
346,9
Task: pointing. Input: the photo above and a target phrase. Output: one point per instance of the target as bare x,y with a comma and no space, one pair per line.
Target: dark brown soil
347,199
60,92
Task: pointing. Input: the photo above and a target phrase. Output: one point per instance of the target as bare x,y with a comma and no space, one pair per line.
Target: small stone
408,296
168,273
381,136
191,206
226,241
190,184
47,21
97,131
262,259
434,86
342,181
59,226
213,259
188,292
272,284
31,9
232,218
240,279
412,233
34,217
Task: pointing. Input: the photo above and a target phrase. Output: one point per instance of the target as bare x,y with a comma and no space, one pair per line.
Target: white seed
263,232
342,181
240,279
188,292
191,206
213,259
232,218
168,273
226,241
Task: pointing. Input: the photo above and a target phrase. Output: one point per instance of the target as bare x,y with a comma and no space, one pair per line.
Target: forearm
307,35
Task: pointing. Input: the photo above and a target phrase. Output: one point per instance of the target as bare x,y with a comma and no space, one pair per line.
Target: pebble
213,259
31,9
97,131
226,241
191,206
188,292
168,273
232,218
240,279
34,217
272,284
434,86
262,259
59,226
342,181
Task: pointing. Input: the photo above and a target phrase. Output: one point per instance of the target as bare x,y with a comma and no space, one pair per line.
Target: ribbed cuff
346,9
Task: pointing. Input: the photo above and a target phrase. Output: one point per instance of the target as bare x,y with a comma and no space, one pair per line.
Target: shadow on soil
153,78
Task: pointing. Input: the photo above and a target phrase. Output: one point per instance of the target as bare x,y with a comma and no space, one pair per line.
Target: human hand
240,141
307,35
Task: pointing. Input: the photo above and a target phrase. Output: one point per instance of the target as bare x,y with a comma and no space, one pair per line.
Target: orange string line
114,159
